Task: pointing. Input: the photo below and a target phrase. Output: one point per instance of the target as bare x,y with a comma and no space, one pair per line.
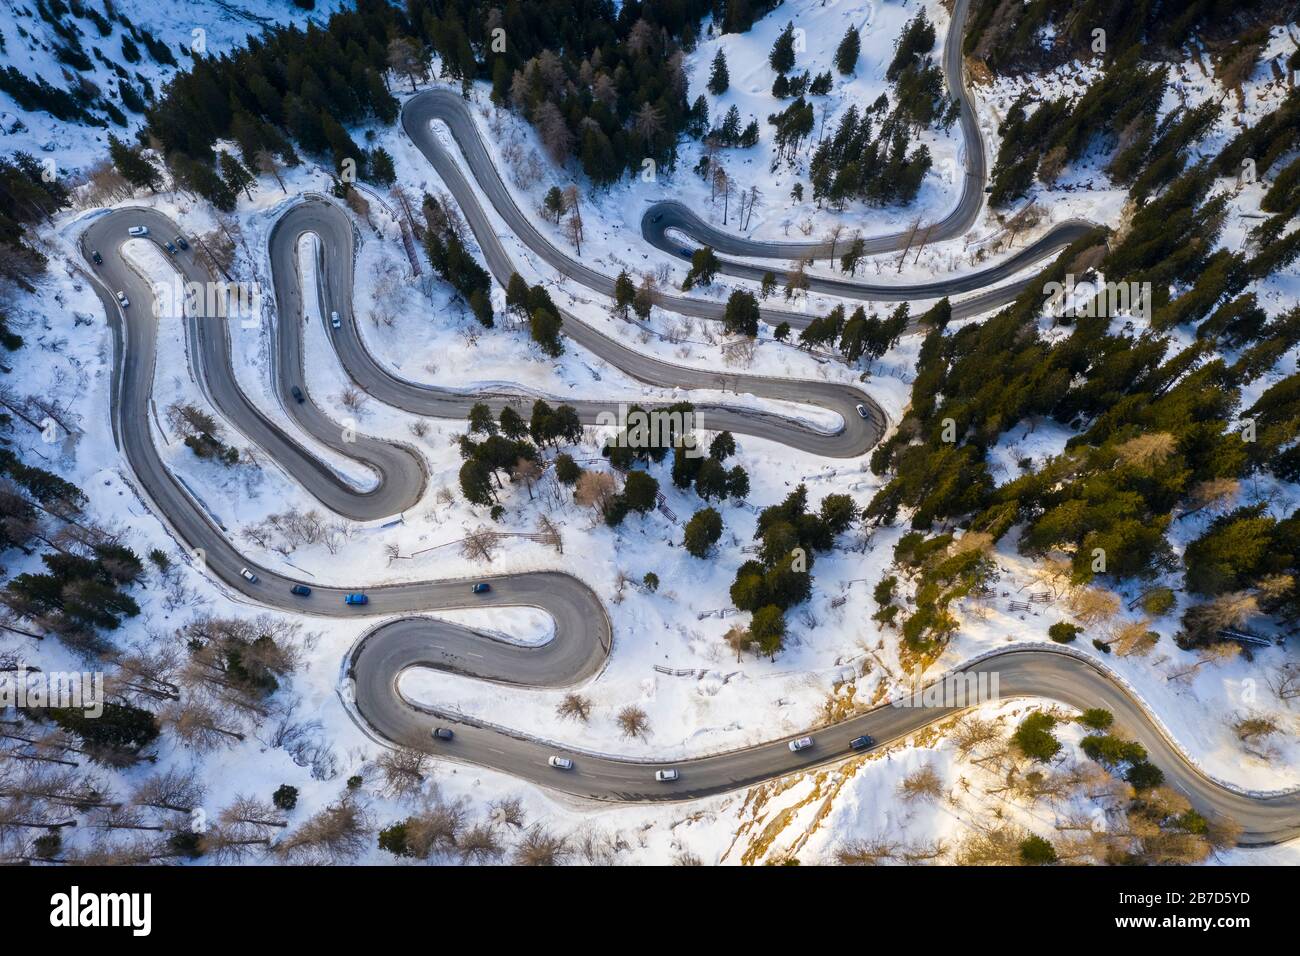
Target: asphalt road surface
660,217
404,638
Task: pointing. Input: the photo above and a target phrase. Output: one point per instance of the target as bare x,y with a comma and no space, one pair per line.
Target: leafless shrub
479,545
574,707
404,771
337,834
633,721
866,852
971,733
1093,605
921,785
995,847
539,847
435,829
353,399
479,844
509,812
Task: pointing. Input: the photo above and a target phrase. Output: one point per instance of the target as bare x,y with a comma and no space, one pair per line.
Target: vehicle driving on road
356,599
561,763
666,776
248,575
138,231
801,743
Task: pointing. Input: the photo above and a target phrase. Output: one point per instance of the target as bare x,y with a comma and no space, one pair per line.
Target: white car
801,743
561,763
335,320
248,575
138,231
666,776
862,410
122,300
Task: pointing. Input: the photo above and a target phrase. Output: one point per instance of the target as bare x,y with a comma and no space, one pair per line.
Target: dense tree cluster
789,535
861,336
290,84
1117,113
26,198
1007,35
444,240
600,83
534,304
1158,430
863,162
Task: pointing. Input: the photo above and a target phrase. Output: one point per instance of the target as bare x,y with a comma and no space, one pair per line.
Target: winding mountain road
404,638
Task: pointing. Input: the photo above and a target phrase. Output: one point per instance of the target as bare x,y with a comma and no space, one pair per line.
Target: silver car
801,743
666,776
561,763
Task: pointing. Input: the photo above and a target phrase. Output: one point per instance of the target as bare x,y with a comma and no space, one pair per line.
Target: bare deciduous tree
633,721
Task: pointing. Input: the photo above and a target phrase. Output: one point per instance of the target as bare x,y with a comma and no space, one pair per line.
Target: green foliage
285,797
1097,718
702,532
846,54
1034,737
1035,851
394,840
116,737
1063,632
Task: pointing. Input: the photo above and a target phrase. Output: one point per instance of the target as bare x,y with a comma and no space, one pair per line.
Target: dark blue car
300,589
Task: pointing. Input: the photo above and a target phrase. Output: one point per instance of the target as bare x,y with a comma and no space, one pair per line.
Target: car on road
180,241
335,321
96,258
482,588
301,590
138,231
442,733
801,743
666,776
296,392
862,410
170,247
356,599
685,252
862,743
248,575
122,300
560,763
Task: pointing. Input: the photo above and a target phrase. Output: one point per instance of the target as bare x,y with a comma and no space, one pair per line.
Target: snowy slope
31,44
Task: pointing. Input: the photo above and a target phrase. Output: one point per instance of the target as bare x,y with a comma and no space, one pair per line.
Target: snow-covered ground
29,42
